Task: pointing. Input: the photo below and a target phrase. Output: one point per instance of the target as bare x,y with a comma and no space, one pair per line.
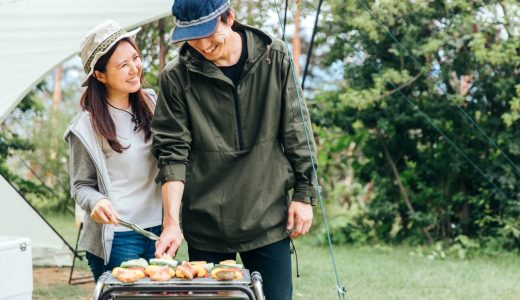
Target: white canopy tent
35,37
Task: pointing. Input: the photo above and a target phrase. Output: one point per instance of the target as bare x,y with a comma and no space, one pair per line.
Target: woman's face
123,71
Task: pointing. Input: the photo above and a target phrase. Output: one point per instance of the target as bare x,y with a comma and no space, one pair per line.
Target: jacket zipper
237,111
239,123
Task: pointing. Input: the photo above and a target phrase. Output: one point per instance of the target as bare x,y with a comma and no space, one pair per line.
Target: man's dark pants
272,261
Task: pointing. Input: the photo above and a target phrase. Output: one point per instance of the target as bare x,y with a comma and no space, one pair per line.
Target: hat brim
130,34
195,32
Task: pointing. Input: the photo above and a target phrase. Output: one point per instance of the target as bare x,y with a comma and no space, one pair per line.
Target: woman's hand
104,213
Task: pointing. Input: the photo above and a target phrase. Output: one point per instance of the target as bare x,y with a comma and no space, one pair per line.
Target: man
231,143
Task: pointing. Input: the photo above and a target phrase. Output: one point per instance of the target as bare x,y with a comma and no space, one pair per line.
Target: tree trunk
297,41
163,47
56,102
402,190
249,11
31,172
57,95
464,212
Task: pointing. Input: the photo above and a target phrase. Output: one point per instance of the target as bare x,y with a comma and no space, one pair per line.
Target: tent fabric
35,37
20,220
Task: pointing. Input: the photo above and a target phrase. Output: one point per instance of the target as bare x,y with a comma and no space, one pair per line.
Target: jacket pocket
285,169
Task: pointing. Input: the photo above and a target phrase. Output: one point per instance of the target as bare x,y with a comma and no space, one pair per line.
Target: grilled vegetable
140,263
164,262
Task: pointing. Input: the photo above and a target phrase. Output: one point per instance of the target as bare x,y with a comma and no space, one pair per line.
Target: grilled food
127,275
161,273
186,270
227,270
165,268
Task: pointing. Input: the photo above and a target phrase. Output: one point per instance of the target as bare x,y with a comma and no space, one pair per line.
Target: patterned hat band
102,47
219,11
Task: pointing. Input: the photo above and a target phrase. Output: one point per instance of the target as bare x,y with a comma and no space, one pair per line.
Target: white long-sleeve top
134,194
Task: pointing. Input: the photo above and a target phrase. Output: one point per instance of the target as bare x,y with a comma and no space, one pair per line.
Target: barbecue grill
250,287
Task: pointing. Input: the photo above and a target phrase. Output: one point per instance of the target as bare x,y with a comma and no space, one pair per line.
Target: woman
112,169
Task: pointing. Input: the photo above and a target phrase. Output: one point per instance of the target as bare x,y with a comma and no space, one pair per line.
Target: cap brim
130,34
200,31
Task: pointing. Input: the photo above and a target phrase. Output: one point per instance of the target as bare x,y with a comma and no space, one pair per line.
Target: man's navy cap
196,19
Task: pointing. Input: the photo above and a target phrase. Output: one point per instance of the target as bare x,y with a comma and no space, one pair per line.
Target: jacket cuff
98,196
306,193
171,172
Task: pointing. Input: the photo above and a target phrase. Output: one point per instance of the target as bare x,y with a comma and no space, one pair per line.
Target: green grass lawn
393,273
373,273
64,225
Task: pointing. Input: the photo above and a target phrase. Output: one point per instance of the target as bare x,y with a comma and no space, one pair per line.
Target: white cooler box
16,280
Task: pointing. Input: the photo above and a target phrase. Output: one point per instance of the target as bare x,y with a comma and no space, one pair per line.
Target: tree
11,142
156,50
419,77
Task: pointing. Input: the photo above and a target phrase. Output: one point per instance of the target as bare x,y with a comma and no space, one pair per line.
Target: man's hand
104,213
300,218
170,241
171,236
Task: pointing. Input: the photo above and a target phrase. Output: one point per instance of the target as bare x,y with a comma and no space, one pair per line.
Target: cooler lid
10,242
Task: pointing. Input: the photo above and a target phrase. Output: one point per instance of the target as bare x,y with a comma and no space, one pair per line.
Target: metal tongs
139,230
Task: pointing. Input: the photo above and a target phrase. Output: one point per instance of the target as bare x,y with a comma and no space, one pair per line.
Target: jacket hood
80,121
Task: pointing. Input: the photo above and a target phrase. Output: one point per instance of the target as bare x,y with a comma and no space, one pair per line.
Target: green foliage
11,143
514,104
49,158
40,170
461,247
465,63
154,43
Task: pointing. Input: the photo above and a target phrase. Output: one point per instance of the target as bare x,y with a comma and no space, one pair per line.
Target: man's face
217,46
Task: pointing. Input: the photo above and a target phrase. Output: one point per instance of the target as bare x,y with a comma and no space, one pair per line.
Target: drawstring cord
188,87
135,119
267,57
293,251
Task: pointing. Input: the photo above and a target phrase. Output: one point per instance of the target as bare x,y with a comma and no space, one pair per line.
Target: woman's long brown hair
94,101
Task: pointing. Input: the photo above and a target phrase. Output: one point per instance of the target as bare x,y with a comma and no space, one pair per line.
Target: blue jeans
125,246
272,261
